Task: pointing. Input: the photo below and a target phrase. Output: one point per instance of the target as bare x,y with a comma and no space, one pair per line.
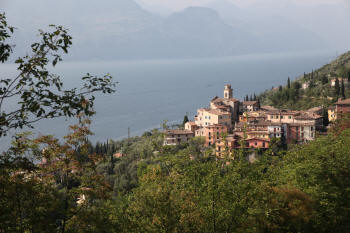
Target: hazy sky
179,4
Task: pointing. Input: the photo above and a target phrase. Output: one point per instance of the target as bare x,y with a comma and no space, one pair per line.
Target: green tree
185,120
40,94
342,89
324,79
325,117
337,87
296,85
288,83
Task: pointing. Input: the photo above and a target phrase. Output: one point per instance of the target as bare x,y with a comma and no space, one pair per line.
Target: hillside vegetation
319,91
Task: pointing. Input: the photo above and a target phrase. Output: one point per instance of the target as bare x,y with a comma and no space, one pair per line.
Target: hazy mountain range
122,29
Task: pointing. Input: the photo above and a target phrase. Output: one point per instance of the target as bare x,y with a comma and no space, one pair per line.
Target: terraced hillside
313,89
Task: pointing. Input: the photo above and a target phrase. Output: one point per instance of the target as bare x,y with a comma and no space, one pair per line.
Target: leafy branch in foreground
38,92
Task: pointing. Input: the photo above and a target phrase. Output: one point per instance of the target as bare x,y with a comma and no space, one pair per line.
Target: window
302,128
220,117
281,117
263,144
302,135
312,128
289,117
255,143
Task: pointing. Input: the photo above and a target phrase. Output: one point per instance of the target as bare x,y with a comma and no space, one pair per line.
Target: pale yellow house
207,117
332,116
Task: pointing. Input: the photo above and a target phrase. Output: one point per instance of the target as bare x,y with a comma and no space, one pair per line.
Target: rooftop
250,102
343,102
258,139
217,112
268,108
217,99
178,132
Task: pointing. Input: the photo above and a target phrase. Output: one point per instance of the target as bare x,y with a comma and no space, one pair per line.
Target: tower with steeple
228,92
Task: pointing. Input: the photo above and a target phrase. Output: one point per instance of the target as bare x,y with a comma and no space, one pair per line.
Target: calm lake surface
152,91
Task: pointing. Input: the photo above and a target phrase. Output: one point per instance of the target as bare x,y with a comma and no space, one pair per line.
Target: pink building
257,143
212,133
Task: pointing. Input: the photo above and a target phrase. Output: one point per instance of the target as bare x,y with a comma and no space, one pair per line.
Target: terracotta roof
268,108
315,109
214,126
331,108
178,132
250,102
343,102
217,99
191,123
217,112
307,116
261,139
301,124
283,112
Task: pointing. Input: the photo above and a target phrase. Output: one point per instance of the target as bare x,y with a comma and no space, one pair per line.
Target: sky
180,4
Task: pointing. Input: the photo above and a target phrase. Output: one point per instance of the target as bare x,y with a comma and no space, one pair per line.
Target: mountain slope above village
321,87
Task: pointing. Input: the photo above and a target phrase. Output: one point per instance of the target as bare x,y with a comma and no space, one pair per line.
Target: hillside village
228,122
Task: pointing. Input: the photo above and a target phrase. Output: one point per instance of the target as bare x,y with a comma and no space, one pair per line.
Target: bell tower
228,92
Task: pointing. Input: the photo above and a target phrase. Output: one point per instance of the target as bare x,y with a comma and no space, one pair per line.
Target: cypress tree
337,87
254,97
342,89
325,117
288,83
324,79
185,120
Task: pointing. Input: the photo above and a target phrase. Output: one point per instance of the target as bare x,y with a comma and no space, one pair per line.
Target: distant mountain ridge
123,30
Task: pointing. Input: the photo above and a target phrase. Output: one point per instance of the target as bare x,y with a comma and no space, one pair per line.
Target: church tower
228,92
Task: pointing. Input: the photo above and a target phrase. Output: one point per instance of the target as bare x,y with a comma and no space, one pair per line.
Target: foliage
45,195
319,91
39,93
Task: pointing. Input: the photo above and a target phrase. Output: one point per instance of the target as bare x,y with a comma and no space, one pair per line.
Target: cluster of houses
228,122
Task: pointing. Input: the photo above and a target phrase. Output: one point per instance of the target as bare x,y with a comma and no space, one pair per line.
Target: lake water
152,91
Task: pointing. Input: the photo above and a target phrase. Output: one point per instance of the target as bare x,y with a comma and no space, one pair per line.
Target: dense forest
137,184
318,90
184,188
